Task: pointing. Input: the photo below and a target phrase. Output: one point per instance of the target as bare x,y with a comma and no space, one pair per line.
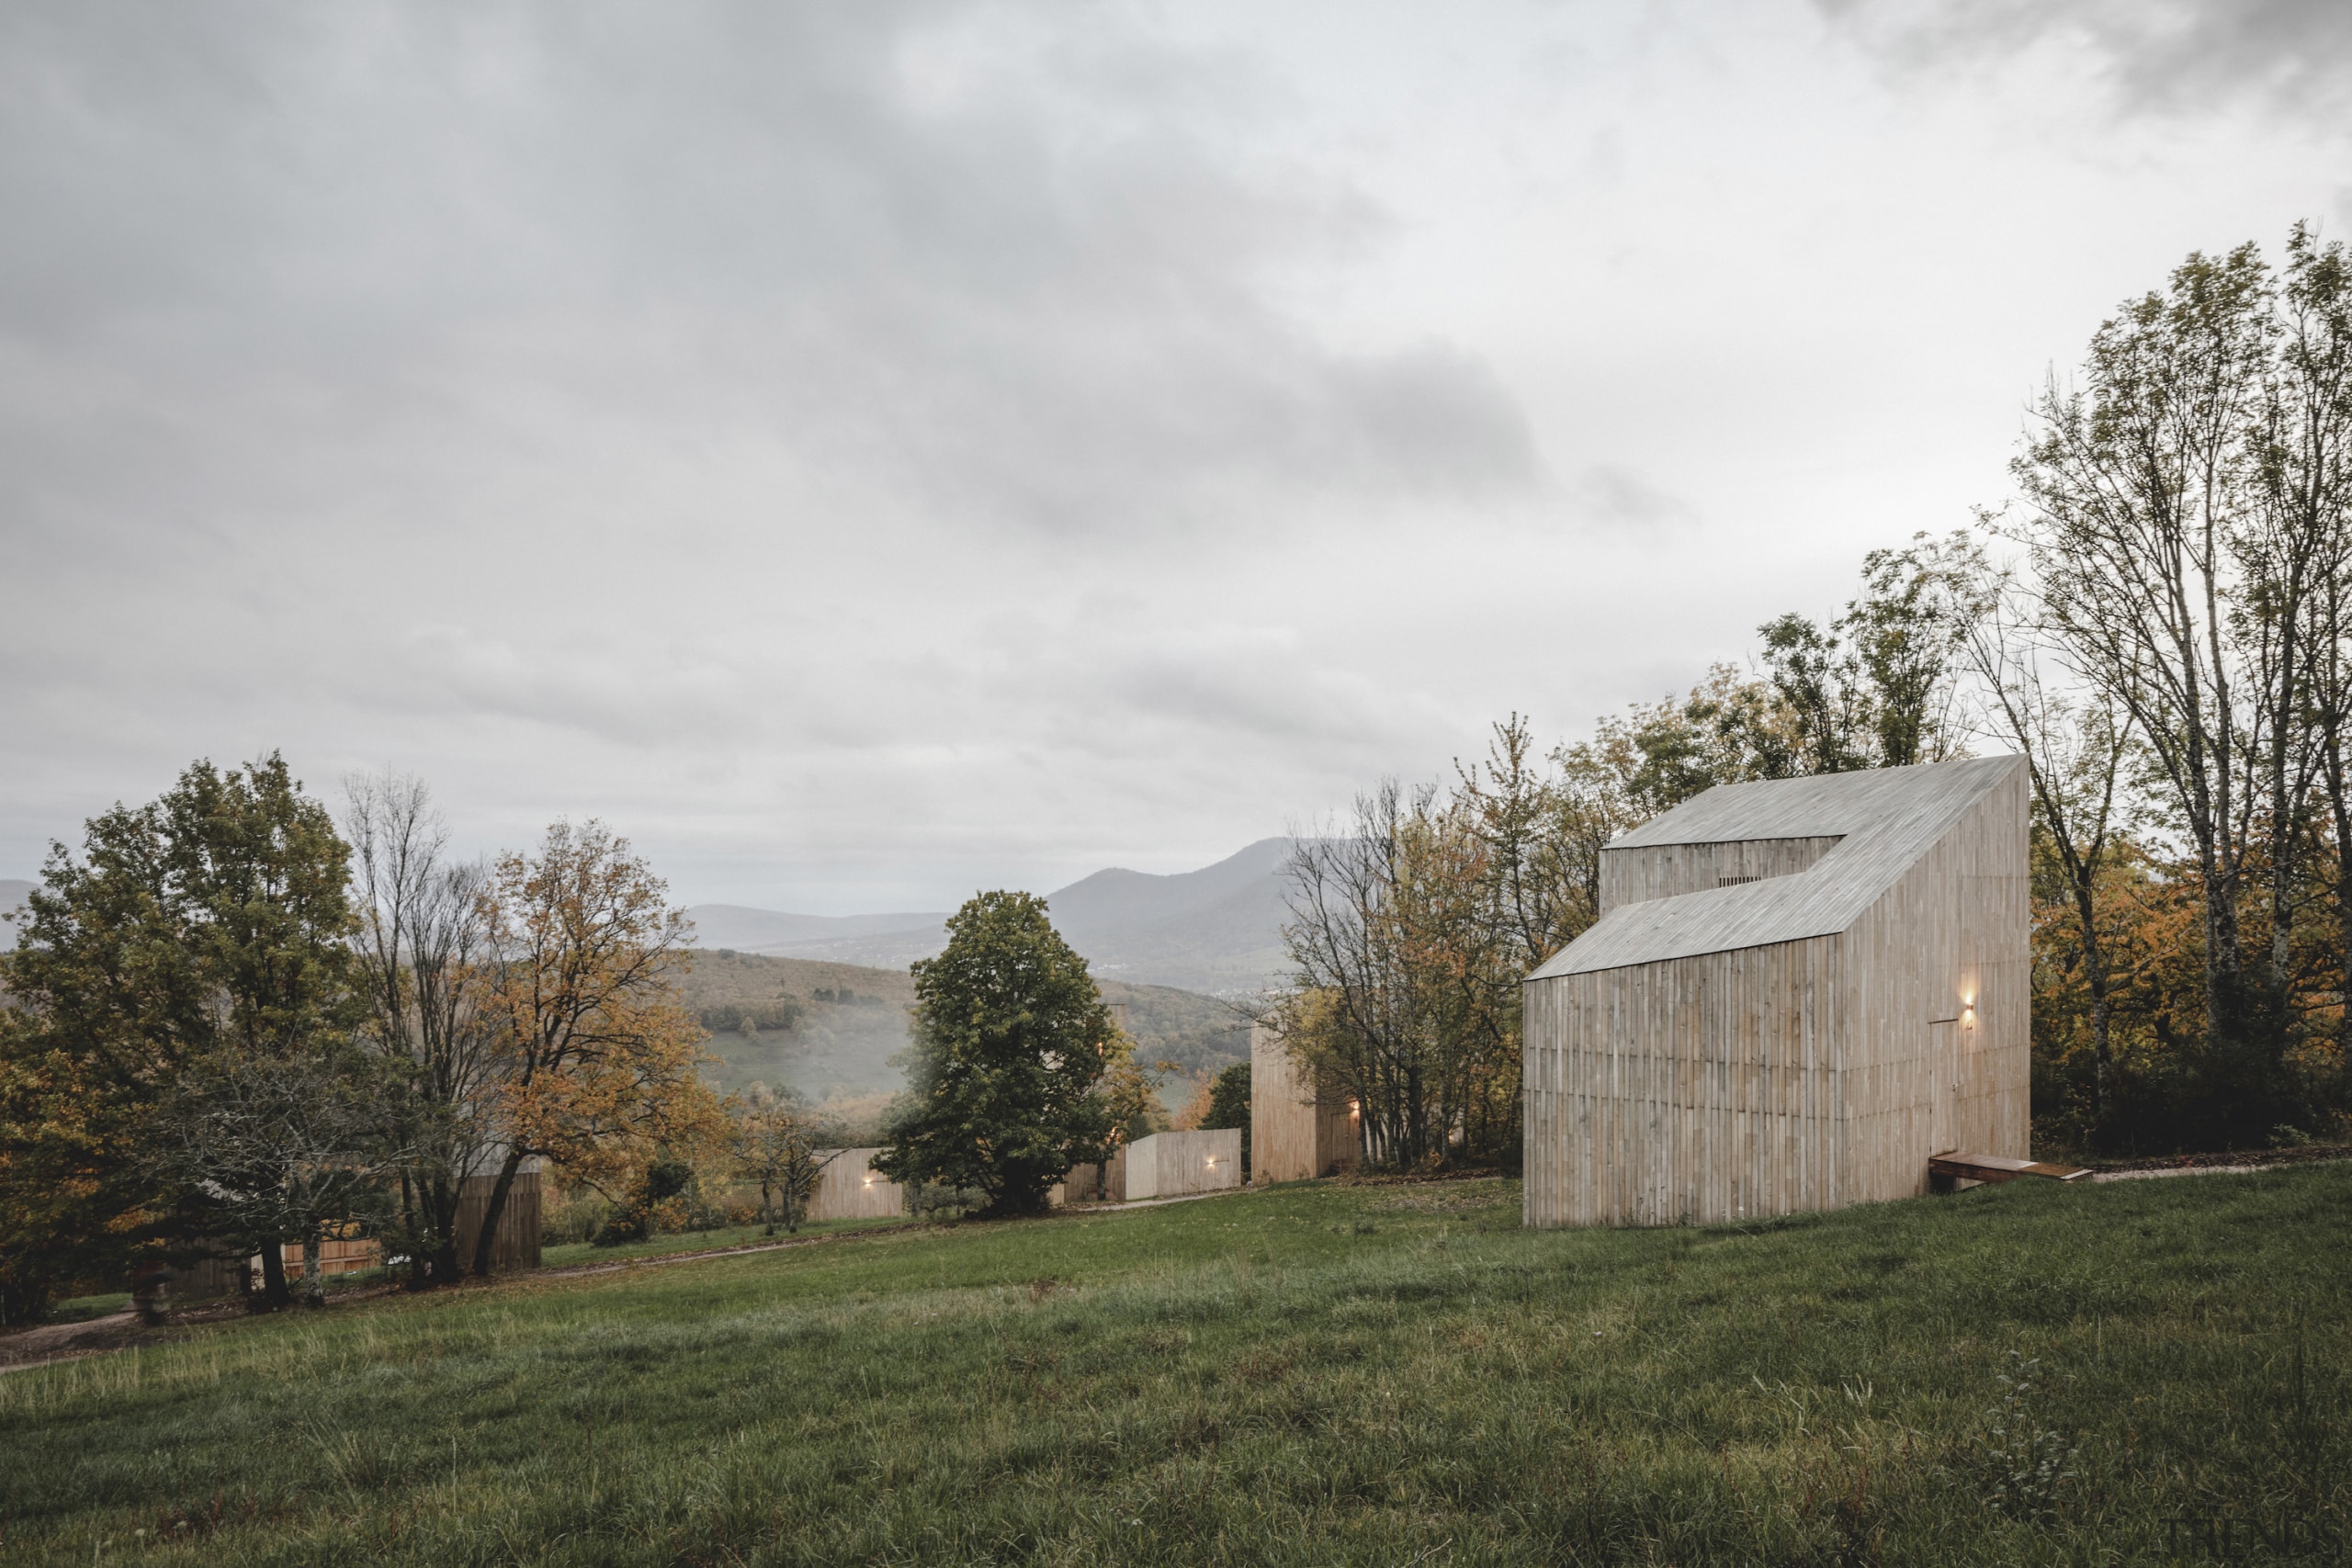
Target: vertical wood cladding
1295,1130
851,1189
1792,1074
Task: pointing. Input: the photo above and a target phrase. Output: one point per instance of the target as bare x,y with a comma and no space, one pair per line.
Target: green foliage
1010,1038
1230,1106
197,939
1312,1375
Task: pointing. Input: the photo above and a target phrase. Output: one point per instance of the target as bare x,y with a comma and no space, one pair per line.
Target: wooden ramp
1951,1166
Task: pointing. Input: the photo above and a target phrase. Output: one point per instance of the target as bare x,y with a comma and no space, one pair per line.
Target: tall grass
1314,1375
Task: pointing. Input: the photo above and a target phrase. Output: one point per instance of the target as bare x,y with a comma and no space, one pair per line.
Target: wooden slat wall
1294,1132
1665,871
516,1244
336,1256
1954,932
1693,1091
1090,1183
1168,1165
1283,1142
851,1189
1792,1075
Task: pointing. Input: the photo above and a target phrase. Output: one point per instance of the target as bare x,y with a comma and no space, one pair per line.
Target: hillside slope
829,1030
1315,1374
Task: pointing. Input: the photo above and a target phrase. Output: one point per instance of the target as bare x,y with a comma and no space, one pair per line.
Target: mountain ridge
1216,931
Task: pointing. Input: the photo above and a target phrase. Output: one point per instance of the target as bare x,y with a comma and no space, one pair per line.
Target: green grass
1312,1375
696,1241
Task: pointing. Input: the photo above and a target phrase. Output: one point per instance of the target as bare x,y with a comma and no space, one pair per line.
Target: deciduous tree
596,1063
1011,1037
776,1146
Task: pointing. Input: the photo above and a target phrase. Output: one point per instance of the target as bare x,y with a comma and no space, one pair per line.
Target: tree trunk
315,1279
274,1293
442,1198
494,1211
416,1223
2095,975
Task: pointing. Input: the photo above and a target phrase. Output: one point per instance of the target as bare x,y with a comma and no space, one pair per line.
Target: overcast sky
866,452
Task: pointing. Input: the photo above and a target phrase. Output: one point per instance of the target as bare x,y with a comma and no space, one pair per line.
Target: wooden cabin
1169,1165
849,1187
1796,993
1299,1128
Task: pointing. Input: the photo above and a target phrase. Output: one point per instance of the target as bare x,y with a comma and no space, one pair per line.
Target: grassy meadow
1315,1374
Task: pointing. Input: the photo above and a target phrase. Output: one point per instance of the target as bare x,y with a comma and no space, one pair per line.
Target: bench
1951,1166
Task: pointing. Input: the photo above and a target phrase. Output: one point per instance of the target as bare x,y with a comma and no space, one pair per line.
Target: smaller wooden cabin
1797,993
1298,1129
1169,1165
851,1189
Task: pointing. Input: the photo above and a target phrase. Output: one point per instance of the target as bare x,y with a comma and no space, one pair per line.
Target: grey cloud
2171,56
1619,498
1021,316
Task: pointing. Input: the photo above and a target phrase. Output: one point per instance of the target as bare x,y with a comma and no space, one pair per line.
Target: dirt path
63,1341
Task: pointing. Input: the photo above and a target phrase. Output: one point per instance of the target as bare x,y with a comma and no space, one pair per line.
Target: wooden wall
1091,1183
516,1243
1944,961
1668,870
1168,1165
1694,1091
337,1255
1798,1075
1294,1132
851,1189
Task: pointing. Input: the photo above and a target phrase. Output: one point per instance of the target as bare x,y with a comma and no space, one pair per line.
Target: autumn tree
595,1059
2077,751
1010,1039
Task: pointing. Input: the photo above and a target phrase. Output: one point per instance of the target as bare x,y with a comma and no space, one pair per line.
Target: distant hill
12,898
1216,931
829,1030
758,930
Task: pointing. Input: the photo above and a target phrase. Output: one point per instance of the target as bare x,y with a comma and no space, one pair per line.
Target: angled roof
1885,820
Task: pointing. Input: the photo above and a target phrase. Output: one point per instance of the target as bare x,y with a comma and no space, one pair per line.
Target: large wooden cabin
1797,992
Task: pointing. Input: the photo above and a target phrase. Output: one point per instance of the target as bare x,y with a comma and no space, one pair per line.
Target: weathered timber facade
1797,991
1169,1165
849,1187
1297,1129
